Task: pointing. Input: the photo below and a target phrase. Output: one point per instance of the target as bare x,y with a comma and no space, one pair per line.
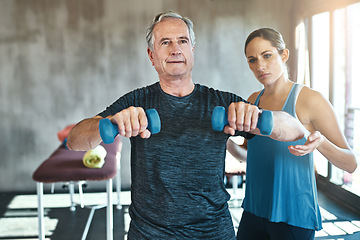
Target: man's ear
150,56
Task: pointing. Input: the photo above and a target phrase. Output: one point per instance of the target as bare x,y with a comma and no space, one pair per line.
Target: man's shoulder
217,92
145,89
151,87
202,87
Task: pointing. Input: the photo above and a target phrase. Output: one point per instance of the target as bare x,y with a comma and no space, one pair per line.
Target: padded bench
66,166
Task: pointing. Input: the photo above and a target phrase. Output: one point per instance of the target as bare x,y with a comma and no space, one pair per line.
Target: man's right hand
132,122
242,117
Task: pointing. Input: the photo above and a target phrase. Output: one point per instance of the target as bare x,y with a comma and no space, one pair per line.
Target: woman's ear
285,55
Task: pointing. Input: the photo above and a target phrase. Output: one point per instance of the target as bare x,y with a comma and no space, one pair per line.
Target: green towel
95,158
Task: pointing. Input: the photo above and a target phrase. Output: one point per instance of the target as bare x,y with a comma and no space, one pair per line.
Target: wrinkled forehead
171,28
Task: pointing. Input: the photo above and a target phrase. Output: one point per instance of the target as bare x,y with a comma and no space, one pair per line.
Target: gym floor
18,217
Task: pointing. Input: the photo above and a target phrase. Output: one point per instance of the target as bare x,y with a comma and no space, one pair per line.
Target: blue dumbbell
219,120
109,130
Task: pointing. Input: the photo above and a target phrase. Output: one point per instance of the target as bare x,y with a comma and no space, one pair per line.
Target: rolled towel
95,158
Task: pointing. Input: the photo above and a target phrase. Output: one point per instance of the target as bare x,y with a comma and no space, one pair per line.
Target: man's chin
177,72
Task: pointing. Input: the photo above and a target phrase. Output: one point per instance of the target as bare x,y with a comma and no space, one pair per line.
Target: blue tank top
280,186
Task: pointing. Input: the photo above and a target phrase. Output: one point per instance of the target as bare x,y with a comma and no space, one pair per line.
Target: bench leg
235,182
109,211
81,195
72,193
88,223
118,180
40,191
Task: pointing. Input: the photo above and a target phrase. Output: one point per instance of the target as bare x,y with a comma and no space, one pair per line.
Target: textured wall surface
65,60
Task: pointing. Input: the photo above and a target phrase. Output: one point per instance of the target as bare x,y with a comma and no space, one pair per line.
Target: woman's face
265,61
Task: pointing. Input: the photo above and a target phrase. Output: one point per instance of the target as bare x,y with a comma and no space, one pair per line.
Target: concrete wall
65,60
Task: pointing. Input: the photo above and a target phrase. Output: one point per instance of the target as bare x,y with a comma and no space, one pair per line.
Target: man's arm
85,135
131,122
244,117
286,127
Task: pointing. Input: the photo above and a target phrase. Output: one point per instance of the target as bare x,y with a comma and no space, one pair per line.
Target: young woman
281,196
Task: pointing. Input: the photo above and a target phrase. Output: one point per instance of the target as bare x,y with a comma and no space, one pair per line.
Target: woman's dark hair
270,34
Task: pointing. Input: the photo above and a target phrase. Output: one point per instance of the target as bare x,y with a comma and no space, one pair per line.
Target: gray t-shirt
177,187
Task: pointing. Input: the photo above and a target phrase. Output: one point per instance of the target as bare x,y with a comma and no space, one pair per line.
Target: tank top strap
258,97
290,103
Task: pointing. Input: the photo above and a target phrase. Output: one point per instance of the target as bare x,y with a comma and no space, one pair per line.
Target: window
320,52
353,87
320,70
334,52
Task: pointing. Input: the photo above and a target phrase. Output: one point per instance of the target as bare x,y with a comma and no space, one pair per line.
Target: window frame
335,191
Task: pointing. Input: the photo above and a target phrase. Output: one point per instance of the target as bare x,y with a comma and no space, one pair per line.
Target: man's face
173,54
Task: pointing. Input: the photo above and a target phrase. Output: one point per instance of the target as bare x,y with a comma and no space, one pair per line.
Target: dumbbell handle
219,120
109,130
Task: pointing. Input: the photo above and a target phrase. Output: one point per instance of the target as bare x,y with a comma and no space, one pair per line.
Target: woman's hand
312,142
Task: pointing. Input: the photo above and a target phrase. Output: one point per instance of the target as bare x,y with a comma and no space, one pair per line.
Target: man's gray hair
149,32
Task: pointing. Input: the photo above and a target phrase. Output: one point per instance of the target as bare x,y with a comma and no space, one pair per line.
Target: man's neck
177,87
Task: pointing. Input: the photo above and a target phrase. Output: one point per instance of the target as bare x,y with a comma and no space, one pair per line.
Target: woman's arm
237,151
318,116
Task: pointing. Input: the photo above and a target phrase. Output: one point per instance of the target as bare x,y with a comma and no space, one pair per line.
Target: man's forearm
286,127
85,135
